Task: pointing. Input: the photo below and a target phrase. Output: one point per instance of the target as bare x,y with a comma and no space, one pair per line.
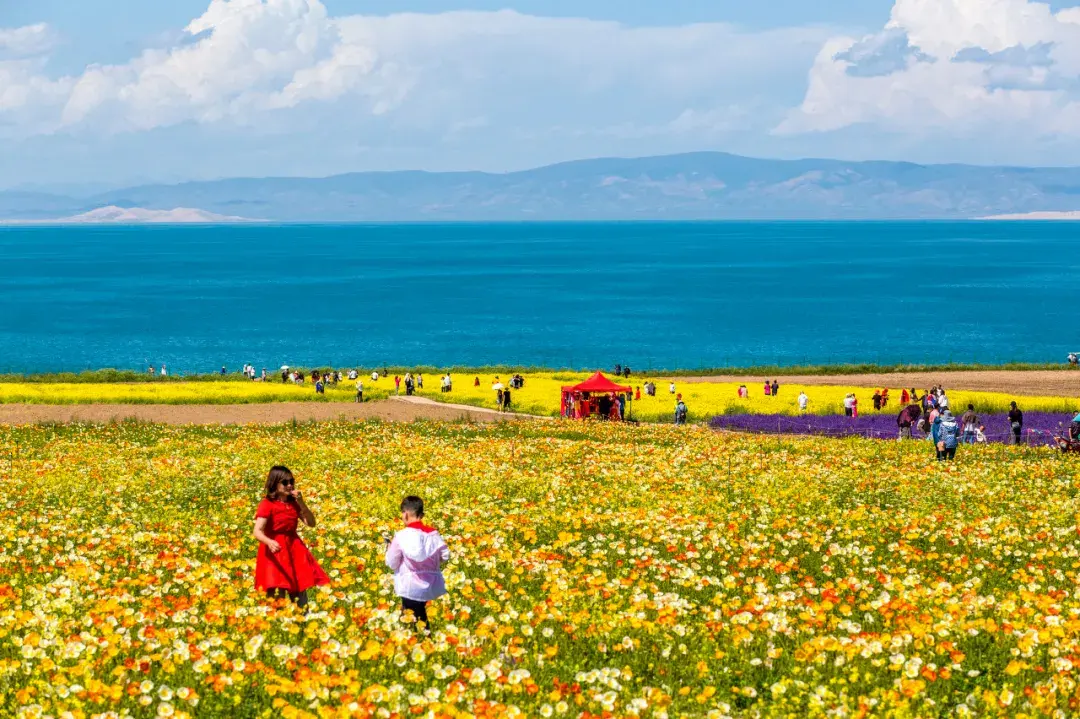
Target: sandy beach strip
1033,383
398,409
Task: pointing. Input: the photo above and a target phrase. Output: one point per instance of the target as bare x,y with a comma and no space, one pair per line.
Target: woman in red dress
284,565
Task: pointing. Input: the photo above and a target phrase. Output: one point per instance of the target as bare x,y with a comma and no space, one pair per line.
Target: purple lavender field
1040,428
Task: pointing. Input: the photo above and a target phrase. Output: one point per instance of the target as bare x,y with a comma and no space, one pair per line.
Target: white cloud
26,41
242,56
966,67
245,60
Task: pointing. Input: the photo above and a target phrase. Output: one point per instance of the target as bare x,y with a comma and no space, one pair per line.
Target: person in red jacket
284,565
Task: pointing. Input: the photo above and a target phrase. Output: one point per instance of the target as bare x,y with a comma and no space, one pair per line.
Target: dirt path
398,409
1043,383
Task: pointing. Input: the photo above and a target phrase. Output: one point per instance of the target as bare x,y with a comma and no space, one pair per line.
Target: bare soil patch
391,410
1034,383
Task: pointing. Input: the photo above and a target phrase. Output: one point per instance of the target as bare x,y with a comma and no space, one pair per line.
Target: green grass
114,375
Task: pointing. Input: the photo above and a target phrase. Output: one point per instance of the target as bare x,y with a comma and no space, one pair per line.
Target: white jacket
416,556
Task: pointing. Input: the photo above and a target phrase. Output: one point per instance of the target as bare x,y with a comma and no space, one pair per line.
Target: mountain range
695,186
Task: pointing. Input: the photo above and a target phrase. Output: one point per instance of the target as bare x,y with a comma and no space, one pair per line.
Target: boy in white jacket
416,555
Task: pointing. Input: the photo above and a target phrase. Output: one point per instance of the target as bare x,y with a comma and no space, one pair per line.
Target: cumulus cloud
243,61
25,41
1007,64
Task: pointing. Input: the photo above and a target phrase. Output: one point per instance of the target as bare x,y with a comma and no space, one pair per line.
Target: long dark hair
278,474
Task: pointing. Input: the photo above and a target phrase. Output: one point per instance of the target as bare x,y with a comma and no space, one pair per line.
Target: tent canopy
597,383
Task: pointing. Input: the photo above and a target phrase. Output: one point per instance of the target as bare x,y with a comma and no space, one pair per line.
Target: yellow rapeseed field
597,570
540,395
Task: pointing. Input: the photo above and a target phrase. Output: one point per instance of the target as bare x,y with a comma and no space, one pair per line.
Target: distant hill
696,186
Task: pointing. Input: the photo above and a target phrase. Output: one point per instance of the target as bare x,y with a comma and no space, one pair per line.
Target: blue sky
124,91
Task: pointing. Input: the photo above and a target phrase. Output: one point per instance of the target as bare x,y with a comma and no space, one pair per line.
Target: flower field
1040,428
597,570
540,396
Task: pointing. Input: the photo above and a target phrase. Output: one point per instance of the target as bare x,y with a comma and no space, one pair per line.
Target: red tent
597,384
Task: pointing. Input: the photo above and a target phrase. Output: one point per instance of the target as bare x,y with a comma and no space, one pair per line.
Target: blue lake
685,295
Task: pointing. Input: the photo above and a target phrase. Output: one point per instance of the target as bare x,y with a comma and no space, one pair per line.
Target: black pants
359,396
299,600
419,609
947,453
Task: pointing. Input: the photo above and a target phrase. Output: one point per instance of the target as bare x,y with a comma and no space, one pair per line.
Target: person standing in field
284,566
804,401
945,433
908,416
671,387
905,398
775,387
854,406
1016,422
164,372
506,399
359,391
849,404
768,389
681,412
969,423
416,555
397,384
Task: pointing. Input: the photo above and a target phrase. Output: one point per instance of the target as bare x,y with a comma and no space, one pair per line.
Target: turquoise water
656,295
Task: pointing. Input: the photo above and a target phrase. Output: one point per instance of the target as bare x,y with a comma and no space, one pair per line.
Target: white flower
165,709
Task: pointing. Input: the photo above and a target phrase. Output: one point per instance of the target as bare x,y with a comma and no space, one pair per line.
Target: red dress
293,568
